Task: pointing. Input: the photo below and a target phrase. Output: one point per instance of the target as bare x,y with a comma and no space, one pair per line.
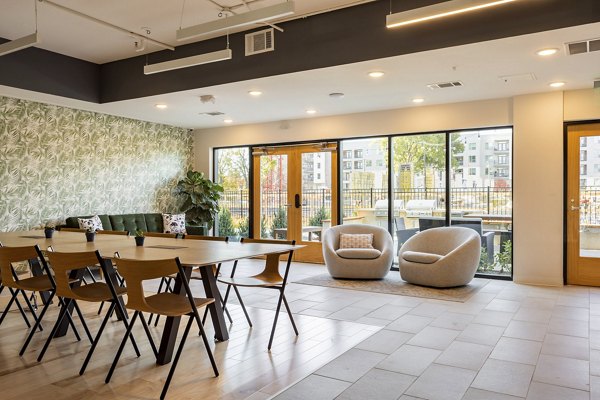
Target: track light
19,44
192,61
236,21
439,10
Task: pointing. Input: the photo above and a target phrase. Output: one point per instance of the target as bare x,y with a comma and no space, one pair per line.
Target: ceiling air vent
213,113
260,42
584,46
444,85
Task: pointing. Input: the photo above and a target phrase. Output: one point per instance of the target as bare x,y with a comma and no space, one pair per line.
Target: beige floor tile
351,365
526,330
385,341
349,313
378,384
411,360
390,312
412,323
562,371
533,315
314,387
431,310
543,391
504,377
594,388
517,350
495,318
503,305
566,346
434,338
465,355
452,321
576,313
569,327
481,334
442,382
478,394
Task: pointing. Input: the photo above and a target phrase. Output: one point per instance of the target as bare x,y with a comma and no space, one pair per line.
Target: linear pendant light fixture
200,59
238,20
439,10
19,44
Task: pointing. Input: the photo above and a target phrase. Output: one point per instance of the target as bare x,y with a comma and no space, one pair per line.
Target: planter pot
48,232
139,240
90,236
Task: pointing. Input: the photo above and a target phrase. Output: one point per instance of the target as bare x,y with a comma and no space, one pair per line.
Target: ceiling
77,37
478,66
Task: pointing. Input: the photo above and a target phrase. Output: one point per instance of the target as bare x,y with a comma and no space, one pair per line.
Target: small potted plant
139,237
90,234
49,228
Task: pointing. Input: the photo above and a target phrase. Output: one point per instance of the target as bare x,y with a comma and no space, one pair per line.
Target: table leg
169,336
216,311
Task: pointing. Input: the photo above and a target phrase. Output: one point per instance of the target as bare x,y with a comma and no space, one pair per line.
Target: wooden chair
120,233
167,304
167,280
72,230
16,301
162,235
40,283
269,278
64,265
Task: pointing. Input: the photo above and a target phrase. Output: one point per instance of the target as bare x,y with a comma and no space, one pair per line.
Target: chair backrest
438,222
64,263
122,233
72,230
213,238
135,272
162,235
399,221
10,255
442,240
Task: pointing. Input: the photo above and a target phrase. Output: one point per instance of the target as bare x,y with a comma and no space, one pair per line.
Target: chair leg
237,293
176,359
64,310
124,319
149,335
12,299
275,320
29,306
96,339
100,308
23,314
224,309
287,307
38,321
206,345
162,281
85,327
121,346
71,322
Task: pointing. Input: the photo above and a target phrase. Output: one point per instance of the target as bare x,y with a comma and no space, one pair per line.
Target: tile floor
508,341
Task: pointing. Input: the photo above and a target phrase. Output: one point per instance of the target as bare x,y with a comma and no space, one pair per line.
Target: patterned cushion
90,224
174,223
356,241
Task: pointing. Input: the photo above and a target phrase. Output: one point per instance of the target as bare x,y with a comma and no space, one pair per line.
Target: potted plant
49,228
200,199
139,237
90,234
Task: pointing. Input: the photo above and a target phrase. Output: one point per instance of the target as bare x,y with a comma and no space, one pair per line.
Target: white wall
538,157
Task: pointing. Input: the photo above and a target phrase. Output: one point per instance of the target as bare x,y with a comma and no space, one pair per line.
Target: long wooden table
191,253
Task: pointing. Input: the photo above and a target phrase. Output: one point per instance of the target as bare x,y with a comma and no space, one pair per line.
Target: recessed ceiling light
557,84
376,74
546,52
418,100
160,106
255,93
228,120
336,95
311,111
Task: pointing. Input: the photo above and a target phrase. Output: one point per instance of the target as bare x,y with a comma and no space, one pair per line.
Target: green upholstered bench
151,222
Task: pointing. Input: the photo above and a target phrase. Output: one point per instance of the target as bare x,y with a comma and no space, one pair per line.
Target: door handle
573,208
297,201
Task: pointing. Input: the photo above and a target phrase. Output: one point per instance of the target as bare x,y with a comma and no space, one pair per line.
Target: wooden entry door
583,204
295,195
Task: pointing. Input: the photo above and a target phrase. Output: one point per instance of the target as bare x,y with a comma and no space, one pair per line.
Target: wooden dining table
191,253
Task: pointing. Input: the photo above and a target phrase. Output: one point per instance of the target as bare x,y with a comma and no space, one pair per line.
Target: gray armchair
440,257
358,263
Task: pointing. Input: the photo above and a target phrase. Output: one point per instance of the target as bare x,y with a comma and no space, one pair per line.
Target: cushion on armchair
364,254
356,241
421,258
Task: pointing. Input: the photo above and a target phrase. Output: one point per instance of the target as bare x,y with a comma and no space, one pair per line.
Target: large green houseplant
201,198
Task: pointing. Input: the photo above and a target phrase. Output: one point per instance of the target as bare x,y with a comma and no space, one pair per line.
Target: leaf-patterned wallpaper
57,162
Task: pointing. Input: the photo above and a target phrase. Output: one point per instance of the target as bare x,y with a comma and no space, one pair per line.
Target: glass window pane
233,173
481,198
589,198
419,184
273,196
364,182
316,194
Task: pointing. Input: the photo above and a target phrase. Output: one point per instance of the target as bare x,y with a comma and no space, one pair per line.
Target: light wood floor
247,369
